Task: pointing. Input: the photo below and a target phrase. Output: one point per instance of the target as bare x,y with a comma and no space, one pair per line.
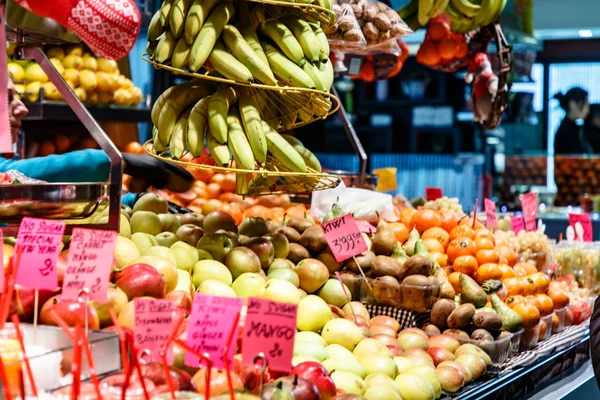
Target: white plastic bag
362,203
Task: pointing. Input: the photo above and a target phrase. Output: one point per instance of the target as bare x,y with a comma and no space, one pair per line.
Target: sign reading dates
344,238
270,328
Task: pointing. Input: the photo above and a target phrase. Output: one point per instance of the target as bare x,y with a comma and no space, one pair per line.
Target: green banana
209,33
283,151
328,4
218,109
165,11
162,99
327,75
315,75
196,16
247,56
177,17
485,13
305,36
159,147
196,127
181,54
219,152
424,8
165,47
284,38
175,106
253,127
227,65
323,41
438,8
467,8
309,158
497,9
177,141
251,37
286,69
155,28
238,142
409,9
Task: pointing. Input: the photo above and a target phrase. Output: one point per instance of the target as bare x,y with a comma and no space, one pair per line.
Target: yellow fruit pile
94,80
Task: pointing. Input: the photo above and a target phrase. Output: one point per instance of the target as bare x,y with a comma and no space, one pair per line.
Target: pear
384,240
399,254
409,245
511,321
471,292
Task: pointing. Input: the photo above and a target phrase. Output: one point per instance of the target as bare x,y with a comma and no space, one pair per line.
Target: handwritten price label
40,242
2,272
491,220
433,193
344,238
5,132
516,223
270,328
211,321
530,211
89,264
365,226
152,325
586,224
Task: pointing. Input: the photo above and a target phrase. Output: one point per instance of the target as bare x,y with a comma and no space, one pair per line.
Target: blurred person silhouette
570,138
591,127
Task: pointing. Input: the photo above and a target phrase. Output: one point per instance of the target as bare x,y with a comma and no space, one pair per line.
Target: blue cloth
77,166
129,199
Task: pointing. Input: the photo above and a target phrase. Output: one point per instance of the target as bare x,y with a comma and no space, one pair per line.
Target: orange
487,271
462,230
229,197
485,234
213,190
461,246
217,178
448,48
277,214
203,175
514,286
406,215
487,256
441,259
568,320
542,331
236,213
400,231
523,269
512,301
295,212
541,281
438,30
465,264
438,234
260,212
62,143
46,148
507,272
469,222
543,303
211,205
529,287
529,314
425,219
555,323
507,253
433,246
483,243
228,183
428,53
559,298
462,50
454,281
449,220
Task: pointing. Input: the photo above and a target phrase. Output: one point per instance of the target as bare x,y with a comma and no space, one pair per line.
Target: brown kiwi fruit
300,224
482,335
487,320
431,329
416,265
364,260
292,234
327,258
440,312
385,266
461,317
313,239
297,253
386,290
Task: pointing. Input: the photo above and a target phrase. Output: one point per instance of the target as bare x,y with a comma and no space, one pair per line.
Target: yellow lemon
34,73
50,92
136,96
72,61
105,97
56,52
75,50
92,98
124,82
72,74
90,62
17,72
122,97
81,94
87,80
10,48
32,91
103,83
109,66
58,65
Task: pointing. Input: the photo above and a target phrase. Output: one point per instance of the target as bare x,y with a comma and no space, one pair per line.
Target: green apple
167,239
248,284
343,332
310,349
337,351
241,260
185,255
279,290
204,255
310,337
370,347
125,252
414,387
210,269
217,244
286,275
349,383
215,288
143,241
169,222
145,221
151,202
345,364
313,312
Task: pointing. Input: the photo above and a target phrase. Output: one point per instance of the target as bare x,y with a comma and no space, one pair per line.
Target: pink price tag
211,321
530,211
2,272
516,224
6,140
433,193
344,238
270,328
365,226
152,325
586,224
40,242
89,264
491,220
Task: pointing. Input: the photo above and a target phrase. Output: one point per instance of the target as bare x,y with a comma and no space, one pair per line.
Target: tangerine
228,183
441,259
400,231
462,50
485,234
462,230
448,48
469,222
438,234
406,215
559,298
487,271
541,281
529,287
544,304
425,219
438,30
213,190
461,246
449,220
433,246
507,271
260,212
487,256
508,254
529,314
466,264
514,286
454,278
512,301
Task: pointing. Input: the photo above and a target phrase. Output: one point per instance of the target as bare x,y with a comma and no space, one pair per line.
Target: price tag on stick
211,321
433,193
530,211
586,225
491,220
365,226
2,271
40,241
152,325
516,224
344,238
6,140
270,328
89,264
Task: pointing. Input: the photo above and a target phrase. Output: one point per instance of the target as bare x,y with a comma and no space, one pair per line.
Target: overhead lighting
585,33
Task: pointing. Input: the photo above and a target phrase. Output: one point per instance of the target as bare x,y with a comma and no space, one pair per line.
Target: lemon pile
94,80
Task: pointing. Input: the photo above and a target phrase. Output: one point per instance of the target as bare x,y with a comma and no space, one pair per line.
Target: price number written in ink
344,238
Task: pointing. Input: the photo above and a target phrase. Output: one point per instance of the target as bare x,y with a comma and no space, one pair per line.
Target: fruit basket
273,8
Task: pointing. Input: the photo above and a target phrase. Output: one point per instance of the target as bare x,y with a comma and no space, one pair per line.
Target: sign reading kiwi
344,238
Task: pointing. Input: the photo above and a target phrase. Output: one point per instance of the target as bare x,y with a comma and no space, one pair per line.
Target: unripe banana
219,152
155,28
166,46
177,140
165,11
241,183
244,53
327,74
196,16
285,69
210,31
284,38
309,158
227,65
323,41
196,127
162,99
159,147
218,109
315,75
177,17
283,151
304,34
238,142
249,33
253,127
181,54
424,8
467,8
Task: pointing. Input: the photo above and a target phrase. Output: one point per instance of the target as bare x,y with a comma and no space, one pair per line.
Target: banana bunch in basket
201,34
193,116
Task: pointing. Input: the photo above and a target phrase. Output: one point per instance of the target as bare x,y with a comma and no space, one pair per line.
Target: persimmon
543,303
512,301
529,314
449,220
462,230
400,231
508,254
461,246
438,234
423,220
487,271
514,286
529,287
466,264
228,183
541,281
487,256
507,271
469,222
433,246
483,243
485,234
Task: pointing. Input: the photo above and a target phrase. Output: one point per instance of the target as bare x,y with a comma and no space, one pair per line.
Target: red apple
439,355
72,312
382,330
23,302
156,373
140,280
444,341
316,373
301,388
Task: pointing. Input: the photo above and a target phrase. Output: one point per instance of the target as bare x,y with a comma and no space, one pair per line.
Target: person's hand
149,171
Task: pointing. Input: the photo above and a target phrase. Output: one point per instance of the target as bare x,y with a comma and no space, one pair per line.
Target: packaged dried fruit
347,32
380,24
